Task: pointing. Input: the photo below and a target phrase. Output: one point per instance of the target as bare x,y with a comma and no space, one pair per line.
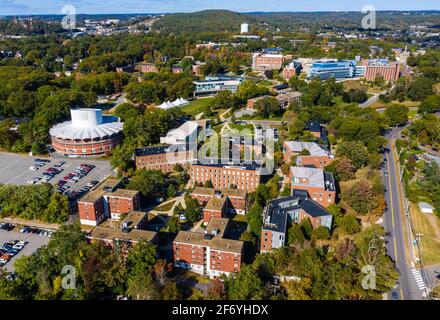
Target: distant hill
203,21
228,21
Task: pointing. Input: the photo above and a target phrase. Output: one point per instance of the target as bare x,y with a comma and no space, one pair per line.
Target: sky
35,7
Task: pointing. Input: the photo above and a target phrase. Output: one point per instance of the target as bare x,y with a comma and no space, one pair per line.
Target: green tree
397,115
255,219
430,105
245,285
320,233
295,235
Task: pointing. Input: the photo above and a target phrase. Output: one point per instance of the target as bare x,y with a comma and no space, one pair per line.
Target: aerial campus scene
206,150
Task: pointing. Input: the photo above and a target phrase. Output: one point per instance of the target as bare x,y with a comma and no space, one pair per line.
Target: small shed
426,207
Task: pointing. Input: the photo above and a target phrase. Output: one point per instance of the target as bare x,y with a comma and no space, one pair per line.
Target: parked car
33,168
6,226
24,230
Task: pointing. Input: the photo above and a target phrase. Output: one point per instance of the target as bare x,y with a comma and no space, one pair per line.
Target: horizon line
239,12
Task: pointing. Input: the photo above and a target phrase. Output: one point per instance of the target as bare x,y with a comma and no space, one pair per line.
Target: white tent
177,103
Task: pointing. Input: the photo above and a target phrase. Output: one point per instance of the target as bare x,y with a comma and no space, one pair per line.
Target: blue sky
29,7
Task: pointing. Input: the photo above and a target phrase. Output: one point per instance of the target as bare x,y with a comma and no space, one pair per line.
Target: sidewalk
31,223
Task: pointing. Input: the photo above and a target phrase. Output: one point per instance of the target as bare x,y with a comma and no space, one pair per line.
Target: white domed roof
87,124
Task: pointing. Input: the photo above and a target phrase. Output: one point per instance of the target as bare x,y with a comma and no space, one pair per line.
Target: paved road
411,283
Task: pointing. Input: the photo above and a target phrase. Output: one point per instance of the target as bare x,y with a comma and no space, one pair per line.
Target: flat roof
314,126
203,191
312,147
216,243
134,217
153,150
218,225
287,95
134,235
106,186
124,193
216,203
234,193
233,165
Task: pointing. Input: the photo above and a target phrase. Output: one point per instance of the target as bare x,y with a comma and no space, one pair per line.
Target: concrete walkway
170,212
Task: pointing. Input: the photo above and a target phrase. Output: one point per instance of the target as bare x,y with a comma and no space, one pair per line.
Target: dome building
89,133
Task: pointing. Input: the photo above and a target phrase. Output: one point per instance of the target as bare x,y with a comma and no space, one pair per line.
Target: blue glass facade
332,69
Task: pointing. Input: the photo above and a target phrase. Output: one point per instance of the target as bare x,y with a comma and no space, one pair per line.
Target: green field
196,106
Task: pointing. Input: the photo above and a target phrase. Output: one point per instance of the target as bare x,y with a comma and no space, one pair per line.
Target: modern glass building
212,85
339,70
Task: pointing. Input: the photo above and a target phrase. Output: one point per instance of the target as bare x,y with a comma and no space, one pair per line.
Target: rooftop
207,162
180,134
87,124
124,193
282,86
134,235
277,211
133,218
217,226
203,191
234,193
314,126
315,178
312,147
216,243
288,95
216,204
105,187
153,150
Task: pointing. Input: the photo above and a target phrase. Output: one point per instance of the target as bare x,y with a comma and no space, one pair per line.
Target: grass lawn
240,218
240,127
165,207
379,104
196,106
352,84
429,226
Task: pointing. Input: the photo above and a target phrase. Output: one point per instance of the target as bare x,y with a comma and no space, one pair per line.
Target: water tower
244,28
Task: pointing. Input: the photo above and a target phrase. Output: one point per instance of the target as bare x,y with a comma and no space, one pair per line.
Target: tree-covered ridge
228,21
203,21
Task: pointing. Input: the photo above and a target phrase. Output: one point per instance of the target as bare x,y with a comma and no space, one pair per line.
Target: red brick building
236,199
318,156
216,207
93,207
208,253
267,61
291,70
124,234
163,158
123,201
281,212
147,67
320,185
89,133
243,176
390,71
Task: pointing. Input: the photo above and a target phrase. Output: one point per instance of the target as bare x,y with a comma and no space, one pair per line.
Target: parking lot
34,241
15,169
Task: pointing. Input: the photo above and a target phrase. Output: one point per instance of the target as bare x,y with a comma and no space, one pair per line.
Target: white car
18,247
30,182
33,168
